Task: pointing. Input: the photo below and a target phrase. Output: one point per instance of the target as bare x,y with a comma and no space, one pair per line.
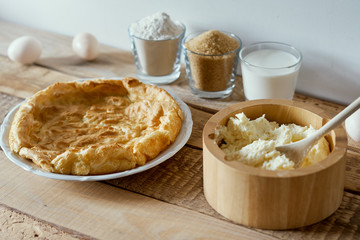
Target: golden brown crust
95,127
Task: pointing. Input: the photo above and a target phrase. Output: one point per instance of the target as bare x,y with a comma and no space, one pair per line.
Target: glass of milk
269,70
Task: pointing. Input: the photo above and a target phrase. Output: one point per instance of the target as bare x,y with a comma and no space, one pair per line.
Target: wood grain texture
343,224
185,189
187,194
177,181
23,80
7,102
106,212
17,225
200,118
352,171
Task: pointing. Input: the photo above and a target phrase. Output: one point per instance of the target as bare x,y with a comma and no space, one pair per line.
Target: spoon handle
339,118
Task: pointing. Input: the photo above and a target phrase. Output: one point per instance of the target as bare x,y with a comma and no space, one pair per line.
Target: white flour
156,43
158,26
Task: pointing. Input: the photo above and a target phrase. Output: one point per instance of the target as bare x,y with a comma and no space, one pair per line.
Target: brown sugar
212,42
212,59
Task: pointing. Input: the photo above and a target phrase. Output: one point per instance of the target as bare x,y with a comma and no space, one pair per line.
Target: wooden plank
352,171
178,181
7,102
62,203
17,225
199,118
106,212
343,224
17,80
23,81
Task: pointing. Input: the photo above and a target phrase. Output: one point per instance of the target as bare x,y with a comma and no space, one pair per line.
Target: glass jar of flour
156,45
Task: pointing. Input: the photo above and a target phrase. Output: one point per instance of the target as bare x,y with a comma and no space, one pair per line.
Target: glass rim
298,62
158,40
212,55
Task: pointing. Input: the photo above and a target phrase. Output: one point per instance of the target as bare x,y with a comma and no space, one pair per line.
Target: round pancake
96,126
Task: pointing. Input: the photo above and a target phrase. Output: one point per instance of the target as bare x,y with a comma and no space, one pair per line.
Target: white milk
269,74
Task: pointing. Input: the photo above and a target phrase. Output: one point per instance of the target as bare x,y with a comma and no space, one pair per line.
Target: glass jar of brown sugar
211,59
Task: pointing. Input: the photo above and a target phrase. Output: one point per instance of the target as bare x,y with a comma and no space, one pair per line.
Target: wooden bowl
281,199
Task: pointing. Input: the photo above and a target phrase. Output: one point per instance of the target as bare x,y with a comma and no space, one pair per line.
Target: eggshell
352,125
25,50
85,46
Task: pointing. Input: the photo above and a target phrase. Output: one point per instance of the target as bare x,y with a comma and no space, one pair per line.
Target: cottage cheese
253,142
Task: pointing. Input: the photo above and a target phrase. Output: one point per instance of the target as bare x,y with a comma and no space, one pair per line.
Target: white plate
28,165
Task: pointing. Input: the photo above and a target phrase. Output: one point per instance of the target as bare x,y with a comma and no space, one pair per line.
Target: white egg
25,50
352,125
85,46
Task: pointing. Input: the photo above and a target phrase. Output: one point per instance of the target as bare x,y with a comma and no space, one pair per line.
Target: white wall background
326,31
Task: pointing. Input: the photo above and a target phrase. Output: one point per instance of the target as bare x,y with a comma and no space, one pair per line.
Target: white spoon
297,151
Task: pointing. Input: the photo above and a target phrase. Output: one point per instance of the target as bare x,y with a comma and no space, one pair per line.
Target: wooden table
165,202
